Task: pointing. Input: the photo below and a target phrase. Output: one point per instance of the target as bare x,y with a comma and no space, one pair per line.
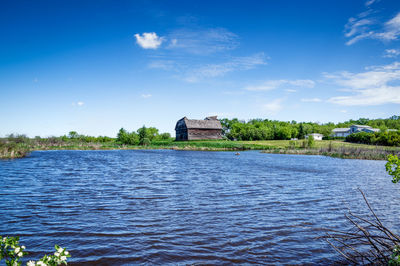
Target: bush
12,252
145,142
393,167
378,138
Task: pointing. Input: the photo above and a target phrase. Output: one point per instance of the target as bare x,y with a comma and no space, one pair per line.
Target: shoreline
335,149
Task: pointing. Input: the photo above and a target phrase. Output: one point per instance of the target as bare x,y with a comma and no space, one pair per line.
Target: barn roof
208,123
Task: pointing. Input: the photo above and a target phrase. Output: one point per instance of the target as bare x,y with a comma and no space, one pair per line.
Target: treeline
264,129
391,138
143,136
72,137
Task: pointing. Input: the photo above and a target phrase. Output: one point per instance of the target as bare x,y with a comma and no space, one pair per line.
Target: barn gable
191,129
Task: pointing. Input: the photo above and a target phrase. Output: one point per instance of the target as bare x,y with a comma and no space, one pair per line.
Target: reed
344,152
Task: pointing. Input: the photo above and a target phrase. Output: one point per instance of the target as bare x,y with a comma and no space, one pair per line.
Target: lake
128,207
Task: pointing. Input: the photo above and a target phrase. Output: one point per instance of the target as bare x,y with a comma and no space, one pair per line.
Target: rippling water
186,207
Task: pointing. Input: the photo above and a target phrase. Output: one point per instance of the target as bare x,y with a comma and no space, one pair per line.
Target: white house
344,132
316,136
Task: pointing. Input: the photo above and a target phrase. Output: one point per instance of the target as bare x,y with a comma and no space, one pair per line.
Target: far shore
333,148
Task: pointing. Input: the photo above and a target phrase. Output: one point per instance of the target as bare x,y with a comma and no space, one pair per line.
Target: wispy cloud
196,54
200,41
376,85
370,2
391,53
146,95
275,84
311,100
365,26
35,80
200,72
163,64
149,40
218,70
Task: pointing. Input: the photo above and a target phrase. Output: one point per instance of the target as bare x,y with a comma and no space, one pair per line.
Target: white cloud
376,85
364,27
390,53
149,40
291,90
146,95
275,84
355,26
273,107
391,29
311,100
343,111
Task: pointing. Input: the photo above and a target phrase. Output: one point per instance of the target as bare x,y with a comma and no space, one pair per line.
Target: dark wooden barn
191,129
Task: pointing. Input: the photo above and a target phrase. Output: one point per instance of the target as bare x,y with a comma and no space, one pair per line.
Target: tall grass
345,152
13,150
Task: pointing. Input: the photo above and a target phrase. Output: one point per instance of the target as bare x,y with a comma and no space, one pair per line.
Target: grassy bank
339,149
13,150
344,152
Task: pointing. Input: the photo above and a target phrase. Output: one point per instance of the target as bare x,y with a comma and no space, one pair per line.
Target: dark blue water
187,207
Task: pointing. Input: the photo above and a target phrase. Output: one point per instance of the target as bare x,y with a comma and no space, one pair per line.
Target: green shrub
12,252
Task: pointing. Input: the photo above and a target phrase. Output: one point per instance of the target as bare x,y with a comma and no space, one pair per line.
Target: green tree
310,141
164,136
393,167
151,133
142,132
73,135
301,131
124,137
283,132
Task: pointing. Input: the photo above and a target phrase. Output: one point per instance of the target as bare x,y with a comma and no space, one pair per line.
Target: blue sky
97,66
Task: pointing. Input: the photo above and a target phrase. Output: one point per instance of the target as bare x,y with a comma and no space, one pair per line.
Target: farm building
344,132
316,136
192,129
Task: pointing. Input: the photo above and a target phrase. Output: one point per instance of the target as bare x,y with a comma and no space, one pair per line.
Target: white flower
60,250
23,247
30,263
56,254
63,258
19,254
16,250
66,252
